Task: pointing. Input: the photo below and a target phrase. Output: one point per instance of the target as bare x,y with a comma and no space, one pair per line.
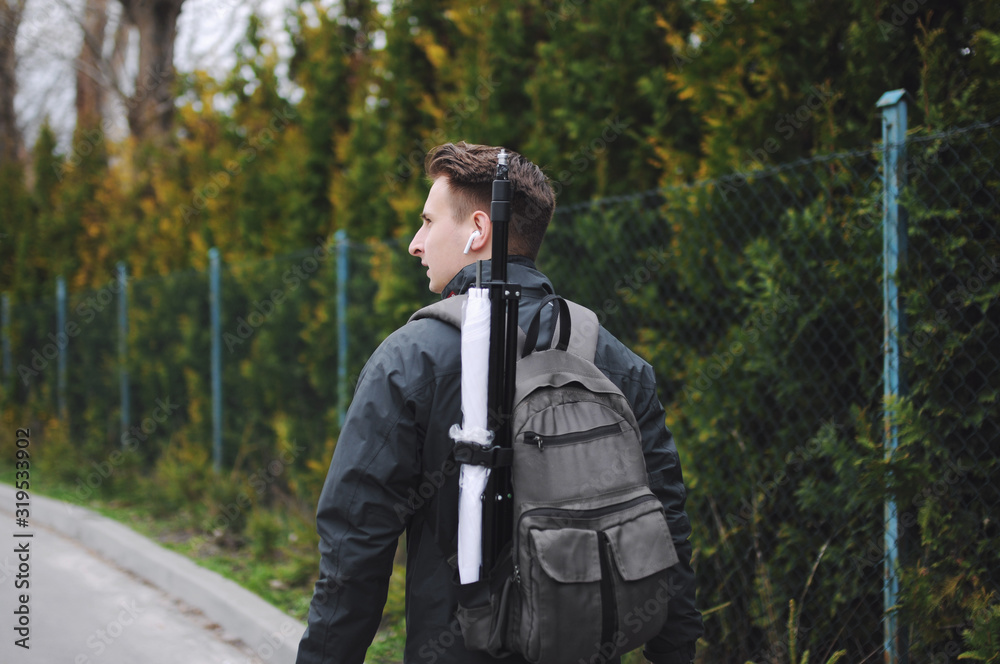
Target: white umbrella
472,478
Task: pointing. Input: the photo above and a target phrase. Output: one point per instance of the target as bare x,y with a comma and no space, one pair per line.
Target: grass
387,648
282,572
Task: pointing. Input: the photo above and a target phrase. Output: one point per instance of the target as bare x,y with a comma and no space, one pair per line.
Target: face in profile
440,241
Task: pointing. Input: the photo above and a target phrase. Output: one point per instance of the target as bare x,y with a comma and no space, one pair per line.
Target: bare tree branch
101,69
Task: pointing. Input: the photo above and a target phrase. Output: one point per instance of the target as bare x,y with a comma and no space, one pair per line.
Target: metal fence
832,382
828,513
116,368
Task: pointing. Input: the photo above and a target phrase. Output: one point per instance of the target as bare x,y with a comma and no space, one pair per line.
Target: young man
391,472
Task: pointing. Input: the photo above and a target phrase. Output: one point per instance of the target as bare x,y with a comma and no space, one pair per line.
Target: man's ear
484,240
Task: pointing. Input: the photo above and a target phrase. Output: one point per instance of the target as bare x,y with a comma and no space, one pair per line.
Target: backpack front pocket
593,582
641,551
564,577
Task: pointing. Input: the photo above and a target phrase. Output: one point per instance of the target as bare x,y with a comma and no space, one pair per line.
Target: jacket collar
520,270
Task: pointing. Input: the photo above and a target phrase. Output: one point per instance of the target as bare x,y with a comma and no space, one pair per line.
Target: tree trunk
90,66
11,141
151,106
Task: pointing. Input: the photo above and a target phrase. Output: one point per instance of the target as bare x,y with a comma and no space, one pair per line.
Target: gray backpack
586,578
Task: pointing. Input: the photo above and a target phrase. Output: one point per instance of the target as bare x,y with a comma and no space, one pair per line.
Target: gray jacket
391,472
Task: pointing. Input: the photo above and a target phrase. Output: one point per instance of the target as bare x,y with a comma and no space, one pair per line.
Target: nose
417,243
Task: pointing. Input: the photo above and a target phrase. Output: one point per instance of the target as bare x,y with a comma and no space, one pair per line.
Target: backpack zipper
531,437
595,512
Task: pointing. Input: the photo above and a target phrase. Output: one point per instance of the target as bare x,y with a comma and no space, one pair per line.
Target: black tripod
504,300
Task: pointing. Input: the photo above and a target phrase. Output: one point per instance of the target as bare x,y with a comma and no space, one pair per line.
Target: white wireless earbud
468,245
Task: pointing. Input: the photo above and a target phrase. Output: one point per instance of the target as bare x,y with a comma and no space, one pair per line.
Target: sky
50,38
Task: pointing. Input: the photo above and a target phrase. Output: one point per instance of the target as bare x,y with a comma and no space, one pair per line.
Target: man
391,469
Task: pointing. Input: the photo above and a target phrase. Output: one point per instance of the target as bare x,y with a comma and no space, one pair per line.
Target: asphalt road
81,609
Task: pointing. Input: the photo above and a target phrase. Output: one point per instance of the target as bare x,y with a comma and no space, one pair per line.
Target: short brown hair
470,170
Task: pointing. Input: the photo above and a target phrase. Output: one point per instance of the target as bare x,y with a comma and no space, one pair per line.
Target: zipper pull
539,442
516,576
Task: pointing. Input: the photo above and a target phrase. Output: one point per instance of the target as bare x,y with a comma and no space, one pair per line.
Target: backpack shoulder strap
585,329
448,310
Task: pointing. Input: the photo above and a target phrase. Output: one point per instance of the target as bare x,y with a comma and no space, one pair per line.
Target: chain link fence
757,297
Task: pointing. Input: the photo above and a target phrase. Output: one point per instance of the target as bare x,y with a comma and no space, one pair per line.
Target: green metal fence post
342,390
123,376
62,344
893,254
215,304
